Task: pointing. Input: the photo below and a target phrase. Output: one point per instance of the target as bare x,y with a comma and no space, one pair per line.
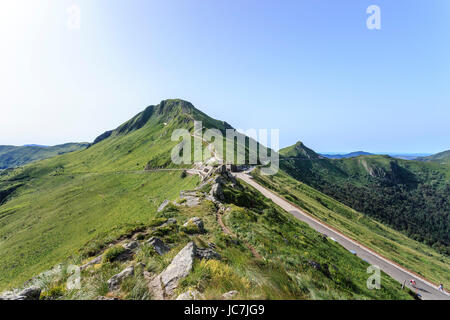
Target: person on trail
412,282
441,287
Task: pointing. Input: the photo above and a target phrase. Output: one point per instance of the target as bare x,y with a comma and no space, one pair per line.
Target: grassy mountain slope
12,156
69,207
267,254
390,243
410,196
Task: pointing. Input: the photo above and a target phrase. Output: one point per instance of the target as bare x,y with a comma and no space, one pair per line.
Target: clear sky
310,68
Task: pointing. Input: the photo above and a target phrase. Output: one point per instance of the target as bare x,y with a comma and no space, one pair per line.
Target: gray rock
163,205
30,293
230,294
216,192
190,295
207,253
116,280
131,245
158,245
166,282
196,221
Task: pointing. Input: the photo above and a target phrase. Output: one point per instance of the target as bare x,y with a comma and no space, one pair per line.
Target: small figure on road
441,287
412,282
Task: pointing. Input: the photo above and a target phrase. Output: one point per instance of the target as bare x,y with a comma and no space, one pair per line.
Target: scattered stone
96,260
191,295
196,221
158,245
163,205
207,253
30,293
164,284
230,294
116,280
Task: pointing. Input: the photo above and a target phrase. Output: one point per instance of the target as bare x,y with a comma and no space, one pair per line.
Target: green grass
390,243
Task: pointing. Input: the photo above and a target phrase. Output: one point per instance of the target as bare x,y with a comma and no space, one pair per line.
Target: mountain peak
167,110
299,150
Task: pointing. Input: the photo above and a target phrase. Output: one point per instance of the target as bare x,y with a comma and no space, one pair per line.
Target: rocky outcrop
190,198
116,280
164,284
196,221
169,222
92,262
132,245
158,245
30,293
207,253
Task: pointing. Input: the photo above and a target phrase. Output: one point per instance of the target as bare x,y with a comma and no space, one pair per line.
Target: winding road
426,289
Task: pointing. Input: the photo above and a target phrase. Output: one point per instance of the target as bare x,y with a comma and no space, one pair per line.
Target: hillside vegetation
390,243
410,196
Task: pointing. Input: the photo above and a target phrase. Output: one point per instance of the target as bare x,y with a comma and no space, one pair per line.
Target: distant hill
442,157
15,156
347,155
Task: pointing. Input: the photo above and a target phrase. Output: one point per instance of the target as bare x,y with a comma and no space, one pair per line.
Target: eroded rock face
30,293
116,280
164,284
131,245
158,245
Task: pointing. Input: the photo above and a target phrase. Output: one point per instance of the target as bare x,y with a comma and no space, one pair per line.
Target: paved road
427,290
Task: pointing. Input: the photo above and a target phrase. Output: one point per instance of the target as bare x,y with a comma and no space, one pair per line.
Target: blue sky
310,68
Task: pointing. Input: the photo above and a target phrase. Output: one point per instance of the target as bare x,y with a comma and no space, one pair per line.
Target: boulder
116,280
230,294
158,245
197,222
217,192
131,245
164,284
190,295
